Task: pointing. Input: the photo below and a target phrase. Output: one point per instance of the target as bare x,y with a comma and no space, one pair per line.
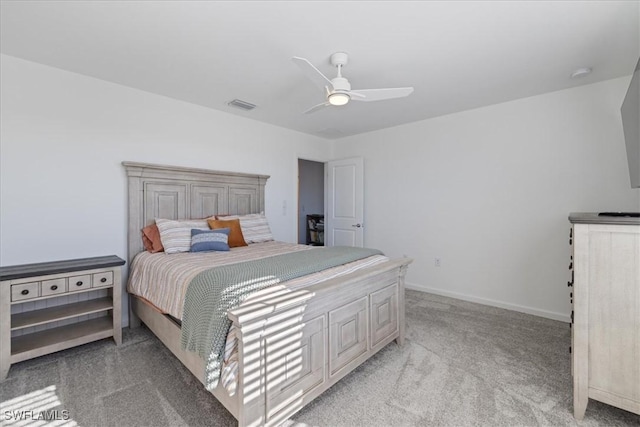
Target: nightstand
84,295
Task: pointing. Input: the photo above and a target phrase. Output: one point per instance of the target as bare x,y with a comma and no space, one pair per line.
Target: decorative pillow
236,239
209,240
151,239
255,227
176,235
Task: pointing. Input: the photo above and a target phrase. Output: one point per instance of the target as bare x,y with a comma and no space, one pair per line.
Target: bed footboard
296,344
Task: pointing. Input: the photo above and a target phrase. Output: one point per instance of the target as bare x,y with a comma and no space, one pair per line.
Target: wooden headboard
173,192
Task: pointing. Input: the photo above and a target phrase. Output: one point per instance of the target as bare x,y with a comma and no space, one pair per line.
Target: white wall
489,190
486,190
63,138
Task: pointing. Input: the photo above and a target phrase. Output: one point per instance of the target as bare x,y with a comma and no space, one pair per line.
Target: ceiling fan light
338,98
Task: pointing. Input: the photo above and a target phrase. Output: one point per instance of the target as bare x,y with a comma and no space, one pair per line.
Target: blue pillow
210,240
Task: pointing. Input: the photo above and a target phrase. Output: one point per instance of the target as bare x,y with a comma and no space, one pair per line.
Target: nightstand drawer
79,283
53,287
102,279
24,291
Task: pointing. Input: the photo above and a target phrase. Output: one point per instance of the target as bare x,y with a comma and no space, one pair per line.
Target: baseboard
493,303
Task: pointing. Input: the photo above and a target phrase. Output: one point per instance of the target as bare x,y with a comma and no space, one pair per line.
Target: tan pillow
151,239
236,239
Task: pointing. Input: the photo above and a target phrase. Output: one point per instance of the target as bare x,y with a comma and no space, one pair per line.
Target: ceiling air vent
243,105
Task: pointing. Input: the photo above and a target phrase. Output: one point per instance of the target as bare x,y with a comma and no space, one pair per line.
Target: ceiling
457,55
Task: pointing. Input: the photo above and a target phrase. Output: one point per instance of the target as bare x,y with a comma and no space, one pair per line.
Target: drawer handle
25,292
104,279
54,287
79,283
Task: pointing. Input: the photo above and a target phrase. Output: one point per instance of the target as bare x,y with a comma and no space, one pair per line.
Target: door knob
356,225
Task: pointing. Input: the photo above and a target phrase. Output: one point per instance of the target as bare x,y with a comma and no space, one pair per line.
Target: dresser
605,291
48,307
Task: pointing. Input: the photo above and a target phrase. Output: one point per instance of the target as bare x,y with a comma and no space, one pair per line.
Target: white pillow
176,235
255,227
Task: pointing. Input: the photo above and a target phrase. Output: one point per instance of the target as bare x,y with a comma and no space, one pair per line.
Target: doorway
310,202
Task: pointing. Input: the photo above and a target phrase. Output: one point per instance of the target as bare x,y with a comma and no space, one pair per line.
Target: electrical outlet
437,262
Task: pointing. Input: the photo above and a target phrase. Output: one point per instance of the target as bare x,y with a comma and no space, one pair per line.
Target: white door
345,200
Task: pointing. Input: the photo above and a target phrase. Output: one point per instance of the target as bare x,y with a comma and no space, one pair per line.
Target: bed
293,342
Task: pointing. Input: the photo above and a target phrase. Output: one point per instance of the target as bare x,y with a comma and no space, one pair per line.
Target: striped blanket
212,293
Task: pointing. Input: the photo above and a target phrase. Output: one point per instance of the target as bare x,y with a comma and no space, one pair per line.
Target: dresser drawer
25,291
102,279
79,283
53,287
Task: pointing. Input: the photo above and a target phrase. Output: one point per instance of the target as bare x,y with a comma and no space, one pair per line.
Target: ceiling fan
338,90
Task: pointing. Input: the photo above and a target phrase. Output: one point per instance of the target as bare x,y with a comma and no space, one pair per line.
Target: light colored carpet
463,364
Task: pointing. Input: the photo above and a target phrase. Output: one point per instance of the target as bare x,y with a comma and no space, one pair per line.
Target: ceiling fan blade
312,72
316,108
380,94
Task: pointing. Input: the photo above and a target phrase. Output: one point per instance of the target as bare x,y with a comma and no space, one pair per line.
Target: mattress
162,279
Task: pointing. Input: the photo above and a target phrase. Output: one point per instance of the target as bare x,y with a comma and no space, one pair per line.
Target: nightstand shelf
40,295
60,312
48,341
